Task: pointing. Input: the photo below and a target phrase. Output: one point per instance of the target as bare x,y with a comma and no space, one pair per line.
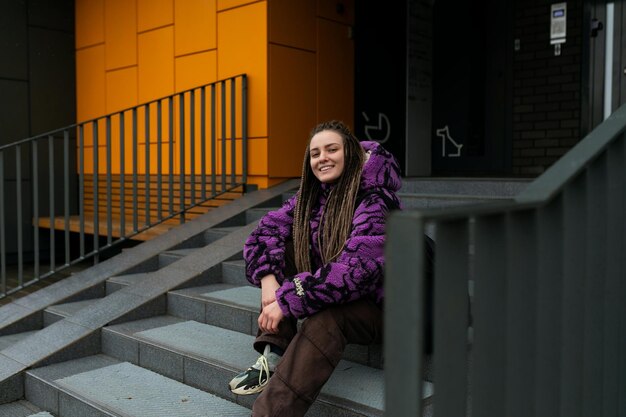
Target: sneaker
254,379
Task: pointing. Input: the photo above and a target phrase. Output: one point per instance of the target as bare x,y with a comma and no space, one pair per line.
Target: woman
320,257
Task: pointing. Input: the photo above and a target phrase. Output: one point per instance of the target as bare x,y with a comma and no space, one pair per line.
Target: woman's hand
270,317
269,285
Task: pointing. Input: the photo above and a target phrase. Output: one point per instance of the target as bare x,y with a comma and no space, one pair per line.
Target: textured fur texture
357,272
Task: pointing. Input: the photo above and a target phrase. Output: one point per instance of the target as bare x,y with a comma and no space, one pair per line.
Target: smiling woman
319,257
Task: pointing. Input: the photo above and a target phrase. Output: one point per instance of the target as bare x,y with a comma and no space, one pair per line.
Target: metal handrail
543,277
126,172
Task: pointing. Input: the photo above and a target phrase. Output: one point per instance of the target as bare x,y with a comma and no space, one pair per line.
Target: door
472,72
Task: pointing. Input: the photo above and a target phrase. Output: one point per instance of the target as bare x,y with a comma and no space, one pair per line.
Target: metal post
96,192
3,260
147,167
181,143
192,145
81,188
171,156
35,163
51,202
122,177
213,143
244,128
135,150
66,191
223,125
233,132
203,140
403,325
159,162
108,177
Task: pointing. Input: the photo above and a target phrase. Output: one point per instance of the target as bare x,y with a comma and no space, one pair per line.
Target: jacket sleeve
355,273
264,250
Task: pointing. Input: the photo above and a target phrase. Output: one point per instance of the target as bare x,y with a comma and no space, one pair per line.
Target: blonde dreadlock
336,219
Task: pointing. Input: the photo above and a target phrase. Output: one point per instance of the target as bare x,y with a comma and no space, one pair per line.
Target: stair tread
127,389
129,278
22,408
68,309
351,382
11,339
242,296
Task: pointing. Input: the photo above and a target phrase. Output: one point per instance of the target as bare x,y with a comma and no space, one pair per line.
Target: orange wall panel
121,88
152,14
90,83
120,30
156,64
229,4
195,70
89,22
242,48
195,26
335,72
292,23
291,108
257,156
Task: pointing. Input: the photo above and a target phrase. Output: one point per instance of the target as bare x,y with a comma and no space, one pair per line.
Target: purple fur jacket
358,270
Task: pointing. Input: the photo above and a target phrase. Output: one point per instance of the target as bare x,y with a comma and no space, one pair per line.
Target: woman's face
326,155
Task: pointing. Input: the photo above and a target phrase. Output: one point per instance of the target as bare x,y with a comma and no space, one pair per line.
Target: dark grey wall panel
52,14
13,111
52,80
13,40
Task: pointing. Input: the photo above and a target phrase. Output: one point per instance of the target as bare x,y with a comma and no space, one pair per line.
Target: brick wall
547,88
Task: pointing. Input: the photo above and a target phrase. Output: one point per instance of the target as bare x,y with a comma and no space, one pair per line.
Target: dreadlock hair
336,219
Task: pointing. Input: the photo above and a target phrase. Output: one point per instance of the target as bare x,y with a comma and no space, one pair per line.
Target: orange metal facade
298,55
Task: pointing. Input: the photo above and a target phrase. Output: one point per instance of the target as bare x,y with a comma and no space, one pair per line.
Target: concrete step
234,272
22,408
103,386
207,357
58,312
495,187
11,339
237,308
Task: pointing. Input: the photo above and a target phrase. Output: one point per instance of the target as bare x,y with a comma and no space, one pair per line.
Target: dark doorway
472,49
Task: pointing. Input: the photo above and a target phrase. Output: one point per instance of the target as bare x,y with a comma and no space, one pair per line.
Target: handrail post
403,317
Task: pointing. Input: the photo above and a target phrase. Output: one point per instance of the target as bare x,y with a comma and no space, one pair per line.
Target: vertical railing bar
223,136
450,317
595,275
521,293
203,140
109,185
147,155
66,190
616,183
621,295
51,202
81,189
572,315
122,176
171,157
192,144
404,265
547,316
489,317
96,192
35,163
181,139
135,179
213,142
233,133
159,162
244,128
3,257
18,199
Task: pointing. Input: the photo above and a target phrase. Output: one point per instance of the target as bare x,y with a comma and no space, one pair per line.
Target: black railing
548,300
69,194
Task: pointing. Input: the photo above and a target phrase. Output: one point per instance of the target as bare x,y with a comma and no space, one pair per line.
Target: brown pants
312,353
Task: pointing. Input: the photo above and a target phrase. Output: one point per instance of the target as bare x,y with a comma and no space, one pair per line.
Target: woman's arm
355,273
264,250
